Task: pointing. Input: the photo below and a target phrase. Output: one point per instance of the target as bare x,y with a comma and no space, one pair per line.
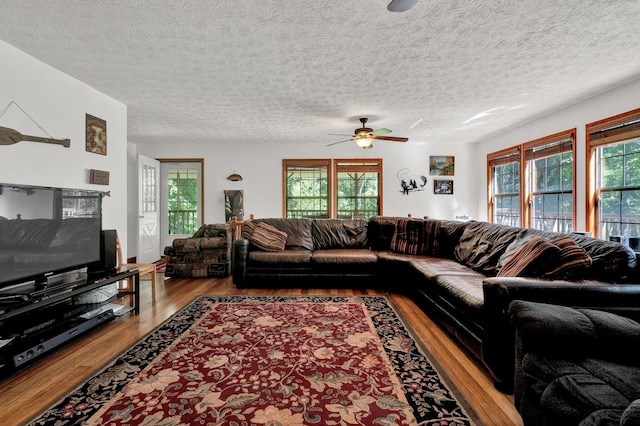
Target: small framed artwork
233,204
96,135
442,165
442,186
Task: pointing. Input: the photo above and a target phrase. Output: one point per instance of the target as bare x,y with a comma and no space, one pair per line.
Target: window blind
506,156
550,145
620,128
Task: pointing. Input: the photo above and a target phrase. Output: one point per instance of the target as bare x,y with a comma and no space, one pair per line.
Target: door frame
163,200
145,232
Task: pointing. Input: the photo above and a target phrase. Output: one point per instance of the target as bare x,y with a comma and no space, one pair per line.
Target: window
182,200
306,188
149,195
357,188
550,185
613,176
340,188
504,186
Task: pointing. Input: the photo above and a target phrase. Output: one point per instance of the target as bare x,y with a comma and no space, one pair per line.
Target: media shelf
35,320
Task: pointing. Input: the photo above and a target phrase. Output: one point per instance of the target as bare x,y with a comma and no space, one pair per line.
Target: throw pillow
247,229
211,231
431,237
408,237
200,232
268,238
530,260
572,262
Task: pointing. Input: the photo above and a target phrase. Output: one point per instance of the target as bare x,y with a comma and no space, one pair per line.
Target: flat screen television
46,231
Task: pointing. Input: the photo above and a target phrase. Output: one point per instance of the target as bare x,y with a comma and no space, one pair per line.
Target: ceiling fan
364,136
400,5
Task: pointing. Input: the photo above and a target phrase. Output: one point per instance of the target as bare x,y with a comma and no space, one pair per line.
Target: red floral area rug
243,360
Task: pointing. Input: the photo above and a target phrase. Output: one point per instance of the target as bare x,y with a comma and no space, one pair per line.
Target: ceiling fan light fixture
364,141
400,5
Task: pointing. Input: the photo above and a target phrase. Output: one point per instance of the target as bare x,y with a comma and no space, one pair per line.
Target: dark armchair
576,366
206,254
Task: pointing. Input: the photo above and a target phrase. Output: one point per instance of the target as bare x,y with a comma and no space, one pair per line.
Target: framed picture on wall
442,186
442,165
96,140
233,204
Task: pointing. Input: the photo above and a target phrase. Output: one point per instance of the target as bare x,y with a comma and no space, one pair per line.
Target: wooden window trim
191,160
558,144
334,167
356,164
596,134
306,162
499,158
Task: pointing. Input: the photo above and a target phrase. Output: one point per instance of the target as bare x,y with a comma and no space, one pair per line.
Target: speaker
616,238
108,255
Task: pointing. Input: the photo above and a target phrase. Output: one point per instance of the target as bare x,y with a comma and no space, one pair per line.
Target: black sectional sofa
451,269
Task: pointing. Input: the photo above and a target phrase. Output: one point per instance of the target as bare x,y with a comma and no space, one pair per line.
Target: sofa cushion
268,238
380,230
339,233
433,267
572,263
481,245
298,231
344,256
465,288
449,235
398,258
285,257
611,261
530,260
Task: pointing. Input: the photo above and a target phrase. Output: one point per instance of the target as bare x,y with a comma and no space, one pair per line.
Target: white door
148,207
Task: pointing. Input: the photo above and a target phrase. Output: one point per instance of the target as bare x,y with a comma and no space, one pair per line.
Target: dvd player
75,329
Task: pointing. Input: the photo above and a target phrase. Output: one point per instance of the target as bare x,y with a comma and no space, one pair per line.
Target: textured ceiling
285,71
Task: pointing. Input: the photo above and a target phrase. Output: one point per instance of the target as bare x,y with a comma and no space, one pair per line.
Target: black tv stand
57,329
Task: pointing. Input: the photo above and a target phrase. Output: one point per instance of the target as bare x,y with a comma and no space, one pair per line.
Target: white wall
613,102
261,168
58,103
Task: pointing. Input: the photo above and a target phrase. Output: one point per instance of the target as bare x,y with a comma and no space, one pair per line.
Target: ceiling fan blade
336,143
390,138
382,131
338,134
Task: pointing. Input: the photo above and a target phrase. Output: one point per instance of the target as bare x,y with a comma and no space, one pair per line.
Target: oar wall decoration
10,136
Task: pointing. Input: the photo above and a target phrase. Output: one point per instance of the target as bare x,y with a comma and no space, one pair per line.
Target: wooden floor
26,393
